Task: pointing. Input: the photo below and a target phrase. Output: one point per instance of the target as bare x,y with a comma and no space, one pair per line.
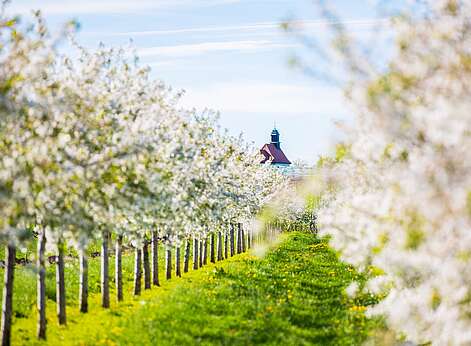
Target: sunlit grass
292,296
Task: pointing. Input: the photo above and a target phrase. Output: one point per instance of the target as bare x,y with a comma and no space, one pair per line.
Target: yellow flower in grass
358,308
317,246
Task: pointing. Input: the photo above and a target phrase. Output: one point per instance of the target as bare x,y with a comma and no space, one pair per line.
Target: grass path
293,296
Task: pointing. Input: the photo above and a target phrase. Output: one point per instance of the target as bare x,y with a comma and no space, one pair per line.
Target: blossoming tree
398,206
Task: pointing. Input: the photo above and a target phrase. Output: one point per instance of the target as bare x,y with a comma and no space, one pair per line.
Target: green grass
293,296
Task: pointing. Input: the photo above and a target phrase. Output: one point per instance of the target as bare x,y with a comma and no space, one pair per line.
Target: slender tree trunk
83,281
205,251
232,239
249,238
7,304
226,243
118,269
212,248
186,260
239,240
219,246
168,262
155,259
178,270
41,285
244,245
201,253
105,266
195,253
137,271
242,238
60,285
146,264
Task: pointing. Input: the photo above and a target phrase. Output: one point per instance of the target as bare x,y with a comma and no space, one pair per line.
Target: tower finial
274,124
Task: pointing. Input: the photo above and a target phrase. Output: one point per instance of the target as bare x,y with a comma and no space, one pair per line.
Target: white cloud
246,27
267,97
309,24
207,47
73,7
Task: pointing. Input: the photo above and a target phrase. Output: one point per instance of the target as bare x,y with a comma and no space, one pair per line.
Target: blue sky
228,55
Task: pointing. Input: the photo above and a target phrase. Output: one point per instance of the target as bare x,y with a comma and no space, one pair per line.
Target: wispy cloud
73,7
256,27
207,47
247,27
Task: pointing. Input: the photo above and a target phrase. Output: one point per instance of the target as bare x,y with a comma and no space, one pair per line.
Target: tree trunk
226,243
7,304
219,246
105,266
60,285
243,236
205,251
211,248
168,262
118,269
186,260
249,238
41,285
155,259
201,253
195,253
232,239
178,270
146,263
239,240
137,272
83,281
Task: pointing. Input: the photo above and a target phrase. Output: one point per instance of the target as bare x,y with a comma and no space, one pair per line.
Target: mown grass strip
293,296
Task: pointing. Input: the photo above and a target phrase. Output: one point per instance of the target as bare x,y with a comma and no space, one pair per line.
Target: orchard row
91,144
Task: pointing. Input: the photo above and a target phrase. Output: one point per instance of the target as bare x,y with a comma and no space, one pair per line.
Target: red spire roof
273,155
